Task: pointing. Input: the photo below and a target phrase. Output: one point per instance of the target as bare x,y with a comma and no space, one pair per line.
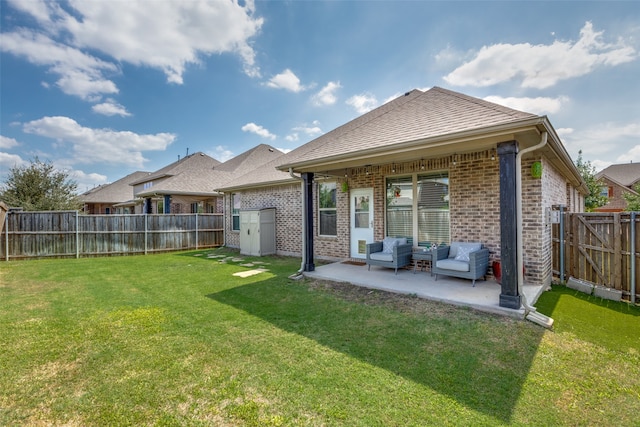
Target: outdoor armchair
392,252
467,260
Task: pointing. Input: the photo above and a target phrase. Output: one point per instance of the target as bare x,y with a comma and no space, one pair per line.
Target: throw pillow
463,253
388,244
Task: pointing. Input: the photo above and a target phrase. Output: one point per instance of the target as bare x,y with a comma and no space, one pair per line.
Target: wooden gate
602,248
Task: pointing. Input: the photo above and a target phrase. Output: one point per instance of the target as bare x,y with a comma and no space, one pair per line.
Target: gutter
298,274
530,312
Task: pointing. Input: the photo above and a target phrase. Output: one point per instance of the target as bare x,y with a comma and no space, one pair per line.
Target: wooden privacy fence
602,248
67,234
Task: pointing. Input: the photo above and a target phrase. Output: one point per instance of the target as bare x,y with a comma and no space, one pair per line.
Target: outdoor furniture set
467,260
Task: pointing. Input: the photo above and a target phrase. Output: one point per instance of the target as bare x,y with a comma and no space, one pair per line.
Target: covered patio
485,296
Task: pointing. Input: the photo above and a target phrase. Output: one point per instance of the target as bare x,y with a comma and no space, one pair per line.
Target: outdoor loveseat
392,252
467,260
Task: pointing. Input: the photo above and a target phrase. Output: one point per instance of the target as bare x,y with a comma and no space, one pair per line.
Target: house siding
616,202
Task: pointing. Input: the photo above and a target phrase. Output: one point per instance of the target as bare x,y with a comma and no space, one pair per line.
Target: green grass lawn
178,339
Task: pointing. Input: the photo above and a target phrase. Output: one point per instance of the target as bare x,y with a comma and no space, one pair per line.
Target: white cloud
541,66
8,161
286,80
222,154
79,74
392,97
110,108
326,95
86,181
258,130
604,140
169,37
311,131
539,105
633,155
363,103
99,145
6,142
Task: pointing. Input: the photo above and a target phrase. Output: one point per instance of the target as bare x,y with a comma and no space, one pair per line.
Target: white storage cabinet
258,232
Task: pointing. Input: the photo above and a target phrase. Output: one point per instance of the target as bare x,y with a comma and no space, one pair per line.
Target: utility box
258,232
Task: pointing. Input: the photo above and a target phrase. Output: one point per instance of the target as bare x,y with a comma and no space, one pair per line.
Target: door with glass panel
362,215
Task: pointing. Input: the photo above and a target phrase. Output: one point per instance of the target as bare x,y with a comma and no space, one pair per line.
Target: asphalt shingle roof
116,192
413,116
200,174
416,115
627,174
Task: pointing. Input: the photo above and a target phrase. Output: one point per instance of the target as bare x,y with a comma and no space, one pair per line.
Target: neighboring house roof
626,174
199,174
116,192
265,175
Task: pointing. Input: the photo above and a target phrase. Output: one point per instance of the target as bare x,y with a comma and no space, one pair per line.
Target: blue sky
105,88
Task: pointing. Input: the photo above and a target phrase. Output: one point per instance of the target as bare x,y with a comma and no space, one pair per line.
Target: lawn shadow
479,360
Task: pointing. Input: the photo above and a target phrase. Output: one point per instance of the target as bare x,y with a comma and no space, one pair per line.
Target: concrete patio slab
484,296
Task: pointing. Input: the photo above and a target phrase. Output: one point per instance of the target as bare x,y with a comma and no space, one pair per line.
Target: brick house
435,167
618,180
188,185
114,198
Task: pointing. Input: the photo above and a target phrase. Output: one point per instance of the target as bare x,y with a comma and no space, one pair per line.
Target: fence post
196,231
77,237
632,256
146,228
6,237
561,242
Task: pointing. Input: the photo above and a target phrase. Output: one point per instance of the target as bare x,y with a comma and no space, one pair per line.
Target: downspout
298,273
520,264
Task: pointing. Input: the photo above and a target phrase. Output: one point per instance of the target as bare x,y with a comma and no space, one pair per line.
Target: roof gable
250,159
200,174
626,174
197,161
116,192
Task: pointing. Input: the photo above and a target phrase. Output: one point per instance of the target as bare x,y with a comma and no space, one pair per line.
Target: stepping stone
250,273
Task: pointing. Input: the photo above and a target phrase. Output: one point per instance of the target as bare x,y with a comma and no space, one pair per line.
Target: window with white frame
235,211
417,207
327,212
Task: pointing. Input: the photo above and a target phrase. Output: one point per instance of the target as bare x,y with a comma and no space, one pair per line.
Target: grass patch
184,339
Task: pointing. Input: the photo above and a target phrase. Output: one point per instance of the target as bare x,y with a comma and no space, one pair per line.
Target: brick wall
287,199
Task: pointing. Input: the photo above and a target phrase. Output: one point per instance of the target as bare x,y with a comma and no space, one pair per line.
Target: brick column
509,296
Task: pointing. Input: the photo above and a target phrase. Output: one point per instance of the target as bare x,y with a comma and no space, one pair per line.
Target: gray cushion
452,264
473,246
388,243
463,253
381,256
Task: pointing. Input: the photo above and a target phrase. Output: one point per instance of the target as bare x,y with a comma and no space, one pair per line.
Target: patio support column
509,296
307,178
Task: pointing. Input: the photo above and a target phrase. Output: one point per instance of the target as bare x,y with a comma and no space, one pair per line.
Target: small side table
420,257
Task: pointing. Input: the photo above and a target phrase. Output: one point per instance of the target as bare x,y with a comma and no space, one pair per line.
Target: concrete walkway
484,296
